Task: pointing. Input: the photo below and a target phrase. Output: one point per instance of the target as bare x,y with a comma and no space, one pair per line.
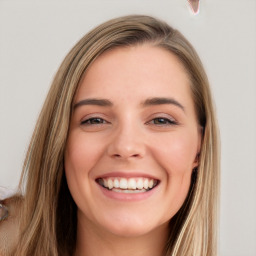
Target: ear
199,144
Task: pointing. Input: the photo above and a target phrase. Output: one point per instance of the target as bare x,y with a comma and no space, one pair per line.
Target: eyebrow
97,102
162,101
148,102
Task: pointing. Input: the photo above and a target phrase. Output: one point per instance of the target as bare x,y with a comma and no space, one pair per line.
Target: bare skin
133,124
95,242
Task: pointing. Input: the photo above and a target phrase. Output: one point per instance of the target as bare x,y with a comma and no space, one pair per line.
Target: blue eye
162,121
93,121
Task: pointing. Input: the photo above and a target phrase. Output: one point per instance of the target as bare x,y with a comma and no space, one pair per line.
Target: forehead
142,69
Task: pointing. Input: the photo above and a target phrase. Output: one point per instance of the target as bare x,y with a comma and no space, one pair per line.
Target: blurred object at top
194,5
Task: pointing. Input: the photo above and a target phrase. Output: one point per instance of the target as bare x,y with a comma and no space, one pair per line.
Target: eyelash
162,121
90,120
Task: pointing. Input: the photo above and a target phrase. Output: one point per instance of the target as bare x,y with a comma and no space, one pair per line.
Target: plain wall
36,35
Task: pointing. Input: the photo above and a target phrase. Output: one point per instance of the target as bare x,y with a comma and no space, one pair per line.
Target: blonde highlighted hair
48,224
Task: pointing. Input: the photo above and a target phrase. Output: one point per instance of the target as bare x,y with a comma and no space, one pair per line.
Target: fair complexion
132,146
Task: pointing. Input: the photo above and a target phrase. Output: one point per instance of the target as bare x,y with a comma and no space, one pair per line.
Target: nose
127,143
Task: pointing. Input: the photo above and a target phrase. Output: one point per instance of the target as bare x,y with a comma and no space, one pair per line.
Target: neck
93,242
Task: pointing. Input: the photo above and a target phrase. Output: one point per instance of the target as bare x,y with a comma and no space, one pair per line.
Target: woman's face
133,141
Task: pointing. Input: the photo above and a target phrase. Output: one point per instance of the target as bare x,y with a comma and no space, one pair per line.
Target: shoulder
9,224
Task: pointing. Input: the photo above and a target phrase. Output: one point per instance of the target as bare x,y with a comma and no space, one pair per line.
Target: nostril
120,156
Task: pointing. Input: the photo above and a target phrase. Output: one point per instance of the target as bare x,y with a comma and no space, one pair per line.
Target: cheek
178,154
81,154
176,159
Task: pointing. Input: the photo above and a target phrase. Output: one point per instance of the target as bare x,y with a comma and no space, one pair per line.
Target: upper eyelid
162,115
93,115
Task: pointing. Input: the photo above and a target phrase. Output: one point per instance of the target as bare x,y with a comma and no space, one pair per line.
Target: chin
130,226
129,231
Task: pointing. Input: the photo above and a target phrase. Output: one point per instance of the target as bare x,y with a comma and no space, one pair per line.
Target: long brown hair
48,224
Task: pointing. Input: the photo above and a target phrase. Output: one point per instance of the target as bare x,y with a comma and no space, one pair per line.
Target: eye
94,121
162,121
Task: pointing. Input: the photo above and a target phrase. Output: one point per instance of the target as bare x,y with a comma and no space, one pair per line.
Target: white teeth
130,184
151,184
140,183
129,191
123,183
145,185
110,184
116,183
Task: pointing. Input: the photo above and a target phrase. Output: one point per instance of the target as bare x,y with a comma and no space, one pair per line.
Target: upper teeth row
131,183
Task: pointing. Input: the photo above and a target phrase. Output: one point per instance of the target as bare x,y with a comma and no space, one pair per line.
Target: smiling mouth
128,185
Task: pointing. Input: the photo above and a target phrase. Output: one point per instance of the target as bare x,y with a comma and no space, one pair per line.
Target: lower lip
127,196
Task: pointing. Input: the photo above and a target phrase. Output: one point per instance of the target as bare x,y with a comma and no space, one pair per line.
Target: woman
124,157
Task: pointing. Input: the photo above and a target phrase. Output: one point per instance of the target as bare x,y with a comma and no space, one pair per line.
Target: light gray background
36,35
